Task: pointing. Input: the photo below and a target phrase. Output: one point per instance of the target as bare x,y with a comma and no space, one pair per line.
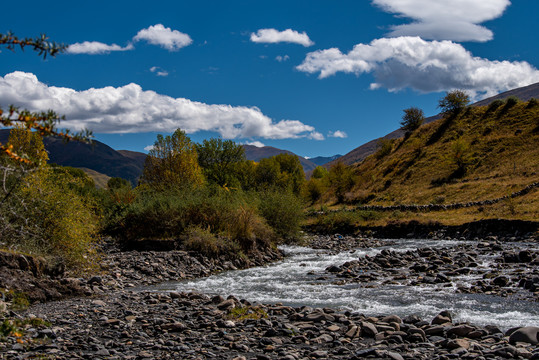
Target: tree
291,172
319,172
341,179
172,162
454,102
412,119
218,159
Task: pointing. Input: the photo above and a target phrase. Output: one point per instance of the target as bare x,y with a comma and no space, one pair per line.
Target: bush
494,105
343,221
533,102
49,218
283,211
385,146
169,214
204,242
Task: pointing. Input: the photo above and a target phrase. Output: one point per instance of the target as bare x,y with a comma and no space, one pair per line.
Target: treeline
205,197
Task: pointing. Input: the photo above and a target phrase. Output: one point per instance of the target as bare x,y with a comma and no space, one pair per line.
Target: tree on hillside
292,175
172,162
341,180
218,160
454,102
412,119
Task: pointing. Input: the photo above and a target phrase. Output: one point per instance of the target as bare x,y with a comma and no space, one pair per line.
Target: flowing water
300,280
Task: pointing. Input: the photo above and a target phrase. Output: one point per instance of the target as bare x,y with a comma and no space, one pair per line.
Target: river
300,280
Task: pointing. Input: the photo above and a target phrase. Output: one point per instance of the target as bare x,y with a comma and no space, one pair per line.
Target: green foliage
454,102
203,241
283,171
172,162
533,102
218,160
39,44
460,156
283,211
314,189
28,145
117,183
494,105
319,172
511,101
341,180
247,312
169,214
412,119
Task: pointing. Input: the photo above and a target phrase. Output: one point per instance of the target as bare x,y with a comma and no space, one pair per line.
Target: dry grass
500,150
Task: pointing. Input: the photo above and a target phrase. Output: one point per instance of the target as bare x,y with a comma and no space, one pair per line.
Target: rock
102,352
319,354
460,330
368,329
442,318
393,355
392,318
227,304
529,334
173,327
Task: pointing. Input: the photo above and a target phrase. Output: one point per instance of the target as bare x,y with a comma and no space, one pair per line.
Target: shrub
533,102
283,211
205,242
49,218
385,146
494,105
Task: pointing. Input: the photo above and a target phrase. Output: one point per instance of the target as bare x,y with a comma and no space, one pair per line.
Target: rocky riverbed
117,320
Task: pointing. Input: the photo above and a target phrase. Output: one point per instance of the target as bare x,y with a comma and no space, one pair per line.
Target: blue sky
314,77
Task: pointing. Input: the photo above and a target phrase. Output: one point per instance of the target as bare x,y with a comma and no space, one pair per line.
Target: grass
497,149
247,312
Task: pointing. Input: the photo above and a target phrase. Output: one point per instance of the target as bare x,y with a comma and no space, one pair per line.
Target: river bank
117,319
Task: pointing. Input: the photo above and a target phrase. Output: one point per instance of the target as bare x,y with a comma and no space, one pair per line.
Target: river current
300,280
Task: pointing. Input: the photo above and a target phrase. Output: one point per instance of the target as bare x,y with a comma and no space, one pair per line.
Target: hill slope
361,152
479,155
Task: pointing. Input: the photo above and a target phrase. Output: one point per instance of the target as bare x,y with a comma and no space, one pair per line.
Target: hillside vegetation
476,154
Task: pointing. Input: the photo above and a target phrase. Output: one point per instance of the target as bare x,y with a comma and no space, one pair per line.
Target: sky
315,77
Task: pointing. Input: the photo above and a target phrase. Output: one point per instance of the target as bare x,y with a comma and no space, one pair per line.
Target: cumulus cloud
273,36
95,47
158,71
148,148
445,20
255,143
425,66
338,134
282,58
158,34
129,109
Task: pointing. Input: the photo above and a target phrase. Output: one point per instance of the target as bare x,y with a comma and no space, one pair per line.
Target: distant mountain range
358,154
101,161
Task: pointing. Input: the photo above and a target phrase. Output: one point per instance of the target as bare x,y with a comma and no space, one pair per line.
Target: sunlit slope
482,153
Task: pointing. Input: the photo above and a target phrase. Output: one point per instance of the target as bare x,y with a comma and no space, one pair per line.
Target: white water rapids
296,281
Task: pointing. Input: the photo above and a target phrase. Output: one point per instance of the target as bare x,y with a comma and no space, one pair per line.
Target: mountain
321,160
257,153
96,156
358,154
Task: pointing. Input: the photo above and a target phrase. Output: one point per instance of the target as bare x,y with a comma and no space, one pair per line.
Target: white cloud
95,47
158,71
158,34
425,66
255,143
273,36
148,148
445,20
338,134
280,58
129,109
315,135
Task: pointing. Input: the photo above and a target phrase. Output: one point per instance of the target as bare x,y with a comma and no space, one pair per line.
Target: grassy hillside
483,153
